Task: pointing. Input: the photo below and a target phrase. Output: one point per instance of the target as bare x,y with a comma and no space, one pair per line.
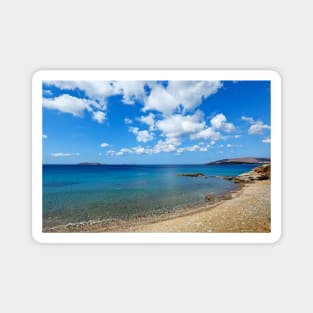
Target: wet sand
245,210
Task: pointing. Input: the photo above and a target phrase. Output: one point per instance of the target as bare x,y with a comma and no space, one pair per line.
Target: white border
41,237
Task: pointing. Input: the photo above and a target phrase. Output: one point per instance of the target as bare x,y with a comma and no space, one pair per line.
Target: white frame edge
276,140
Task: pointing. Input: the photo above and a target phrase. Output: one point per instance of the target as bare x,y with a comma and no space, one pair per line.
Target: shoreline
246,209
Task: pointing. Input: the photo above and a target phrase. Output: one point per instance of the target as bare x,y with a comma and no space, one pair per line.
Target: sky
154,122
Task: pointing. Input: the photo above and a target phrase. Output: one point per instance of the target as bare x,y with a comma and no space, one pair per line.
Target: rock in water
209,197
192,174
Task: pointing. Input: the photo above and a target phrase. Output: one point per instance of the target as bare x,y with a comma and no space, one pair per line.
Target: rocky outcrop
262,172
192,174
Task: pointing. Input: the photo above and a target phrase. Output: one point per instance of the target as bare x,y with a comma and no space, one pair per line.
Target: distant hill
90,163
247,160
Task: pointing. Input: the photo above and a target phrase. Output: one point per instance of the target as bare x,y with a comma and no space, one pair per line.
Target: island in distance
90,163
247,160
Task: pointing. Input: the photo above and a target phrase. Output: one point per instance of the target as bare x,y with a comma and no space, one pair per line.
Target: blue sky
154,122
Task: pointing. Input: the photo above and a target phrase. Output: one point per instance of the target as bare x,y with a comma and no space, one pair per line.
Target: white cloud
266,140
208,133
111,152
219,122
191,93
188,94
126,150
229,145
98,116
247,119
141,135
46,92
44,136
68,104
160,100
131,90
179,125
177,96
149,120
192,149
167,145
257,127
62,154
94,89
75,106
142,150
128,120
104,144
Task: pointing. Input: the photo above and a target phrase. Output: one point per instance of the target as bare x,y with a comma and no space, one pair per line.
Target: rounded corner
37,75
36,237
276,75
277,237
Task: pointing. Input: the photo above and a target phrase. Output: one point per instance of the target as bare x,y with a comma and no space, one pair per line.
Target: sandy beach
245,210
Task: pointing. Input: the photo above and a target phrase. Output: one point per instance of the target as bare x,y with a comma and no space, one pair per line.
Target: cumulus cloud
171,99
149,120
142,150
75,106
167,145
130,90
93,89
247,119
141,135
68,104
104,144
111,152
98,116
44,136
219,122
257,127
94,99
266,140
184,94
179,125
208,133
160,100
193,148
62,154
191,93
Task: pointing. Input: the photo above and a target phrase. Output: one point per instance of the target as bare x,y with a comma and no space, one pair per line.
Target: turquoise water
76,193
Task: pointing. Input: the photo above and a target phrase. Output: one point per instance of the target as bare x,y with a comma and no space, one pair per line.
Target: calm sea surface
76,193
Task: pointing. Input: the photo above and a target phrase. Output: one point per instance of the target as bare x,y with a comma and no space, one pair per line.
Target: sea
79,193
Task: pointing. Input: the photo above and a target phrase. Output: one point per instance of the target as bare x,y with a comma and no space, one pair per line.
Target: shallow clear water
75,193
